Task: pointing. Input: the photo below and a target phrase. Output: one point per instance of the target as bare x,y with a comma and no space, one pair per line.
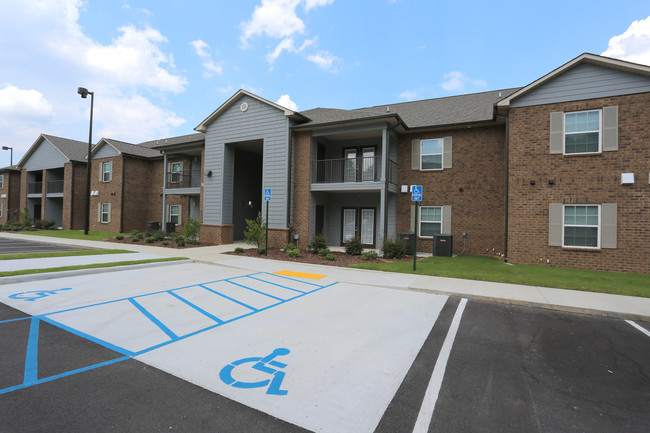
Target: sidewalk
627,307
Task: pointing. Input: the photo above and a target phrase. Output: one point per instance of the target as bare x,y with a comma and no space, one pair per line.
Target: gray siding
260,122
106,151
45,156
585,81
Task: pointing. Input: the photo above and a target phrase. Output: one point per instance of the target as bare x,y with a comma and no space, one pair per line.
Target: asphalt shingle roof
172,141
72,149
133,149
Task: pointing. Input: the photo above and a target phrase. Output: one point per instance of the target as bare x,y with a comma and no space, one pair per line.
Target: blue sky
158,68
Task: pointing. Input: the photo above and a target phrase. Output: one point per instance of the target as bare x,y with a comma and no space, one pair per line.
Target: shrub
261,250
293,253
393,248
148,240
369,255
239,250
38,224
255,231
49,224
191,230
330,256
323,252
317,243
26,218
353,247
165,243
289,247
136,238
119,237
180,241
157,235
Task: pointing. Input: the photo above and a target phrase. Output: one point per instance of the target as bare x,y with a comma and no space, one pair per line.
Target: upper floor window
175,169
581,226
431,154
107,174
582,132
2,181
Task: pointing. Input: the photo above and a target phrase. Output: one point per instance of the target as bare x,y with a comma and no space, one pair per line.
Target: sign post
267,199
416,196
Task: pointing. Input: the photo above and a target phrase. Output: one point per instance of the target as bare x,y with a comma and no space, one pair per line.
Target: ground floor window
175,213
105,212
430,221
581,226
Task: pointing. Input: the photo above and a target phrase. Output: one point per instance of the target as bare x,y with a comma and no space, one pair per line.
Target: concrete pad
587,301
56,262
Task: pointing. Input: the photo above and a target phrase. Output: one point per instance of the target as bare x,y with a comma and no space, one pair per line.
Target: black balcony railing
35,187
362,169
183,179
54,186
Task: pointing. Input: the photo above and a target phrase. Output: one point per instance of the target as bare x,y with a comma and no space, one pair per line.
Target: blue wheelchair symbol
35,294
261,364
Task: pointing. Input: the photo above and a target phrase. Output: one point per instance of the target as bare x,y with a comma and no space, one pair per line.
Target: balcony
34,187
345,170
54,186
183,179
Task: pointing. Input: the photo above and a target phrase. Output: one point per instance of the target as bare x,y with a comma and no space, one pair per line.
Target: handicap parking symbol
264,364
35,294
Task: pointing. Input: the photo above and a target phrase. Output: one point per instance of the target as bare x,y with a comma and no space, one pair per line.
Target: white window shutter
610,128
555,224
180,214
608,225
99,212
446,152
445,227
557,132
415,154
109,213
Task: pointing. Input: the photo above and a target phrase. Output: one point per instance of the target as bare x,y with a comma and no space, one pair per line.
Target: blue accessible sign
267,194
416,193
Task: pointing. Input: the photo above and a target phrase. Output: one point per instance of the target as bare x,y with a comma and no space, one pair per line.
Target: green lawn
494,269
61,254
91,266
72,234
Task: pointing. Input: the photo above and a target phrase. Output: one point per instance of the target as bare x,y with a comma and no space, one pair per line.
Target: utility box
170,228
443,245
152,226
408,238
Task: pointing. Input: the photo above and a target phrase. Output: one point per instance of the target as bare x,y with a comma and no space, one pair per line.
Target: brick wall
11,202
580,179
301,184
478,156
109,192
214,234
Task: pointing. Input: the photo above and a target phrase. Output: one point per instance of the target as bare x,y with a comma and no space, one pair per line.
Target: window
431,154
176,168
430,221
2,181
581,226
175,214
105,212
106,172
582,132
1,210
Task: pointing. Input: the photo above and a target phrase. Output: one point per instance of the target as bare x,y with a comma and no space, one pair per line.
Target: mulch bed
171,244
342,259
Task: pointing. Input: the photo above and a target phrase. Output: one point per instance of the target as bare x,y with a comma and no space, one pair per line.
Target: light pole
84,94
11,164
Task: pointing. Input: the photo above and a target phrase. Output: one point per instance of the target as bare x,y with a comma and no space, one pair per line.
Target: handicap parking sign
267,194
416,193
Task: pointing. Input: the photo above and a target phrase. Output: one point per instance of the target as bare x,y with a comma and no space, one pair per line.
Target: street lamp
84,94
11,164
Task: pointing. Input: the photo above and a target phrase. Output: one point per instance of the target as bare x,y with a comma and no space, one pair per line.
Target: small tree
26,218
255,231
191,230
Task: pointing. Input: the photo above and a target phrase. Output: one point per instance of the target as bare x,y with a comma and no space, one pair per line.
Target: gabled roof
10,168
428,113
174,141
594,59
72,150
234,98
125,148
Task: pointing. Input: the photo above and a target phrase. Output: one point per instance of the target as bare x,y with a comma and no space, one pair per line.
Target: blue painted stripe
87,337
14,320
275,284
154,319
228,297
31,358
293,279
256,291
196,307
59,376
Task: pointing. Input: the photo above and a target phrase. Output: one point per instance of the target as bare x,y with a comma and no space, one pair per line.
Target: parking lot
196,347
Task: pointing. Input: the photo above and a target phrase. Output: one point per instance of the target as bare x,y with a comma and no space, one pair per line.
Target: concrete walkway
628,307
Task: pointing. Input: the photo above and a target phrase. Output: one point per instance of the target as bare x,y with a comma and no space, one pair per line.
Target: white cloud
633,45
286,102
409,95
310,4
226,89
287,44
458,81
211,67
200,47
26,104
325,60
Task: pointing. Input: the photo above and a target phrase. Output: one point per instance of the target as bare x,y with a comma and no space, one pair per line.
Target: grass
61,254
493,269
72,234
92,266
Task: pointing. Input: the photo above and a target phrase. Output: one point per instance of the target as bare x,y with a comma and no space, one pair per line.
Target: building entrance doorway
247,187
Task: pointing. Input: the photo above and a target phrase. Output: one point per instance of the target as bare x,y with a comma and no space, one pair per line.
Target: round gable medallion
244,106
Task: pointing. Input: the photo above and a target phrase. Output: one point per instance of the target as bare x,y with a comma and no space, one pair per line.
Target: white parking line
639,327
433,389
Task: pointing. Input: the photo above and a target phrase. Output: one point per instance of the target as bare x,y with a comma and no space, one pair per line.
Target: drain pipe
505,234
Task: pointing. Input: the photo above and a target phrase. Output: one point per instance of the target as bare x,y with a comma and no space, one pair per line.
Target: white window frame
420,235
109,172
599,226
599,131
177,214
172,172
442,154
102,213
2,181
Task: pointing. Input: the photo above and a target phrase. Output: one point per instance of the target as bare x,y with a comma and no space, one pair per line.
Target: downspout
289,186
505,234
122,195
72,200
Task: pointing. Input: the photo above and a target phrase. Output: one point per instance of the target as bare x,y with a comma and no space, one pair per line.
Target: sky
158,68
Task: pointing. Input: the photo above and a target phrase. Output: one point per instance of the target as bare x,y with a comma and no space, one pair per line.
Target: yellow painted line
300,274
